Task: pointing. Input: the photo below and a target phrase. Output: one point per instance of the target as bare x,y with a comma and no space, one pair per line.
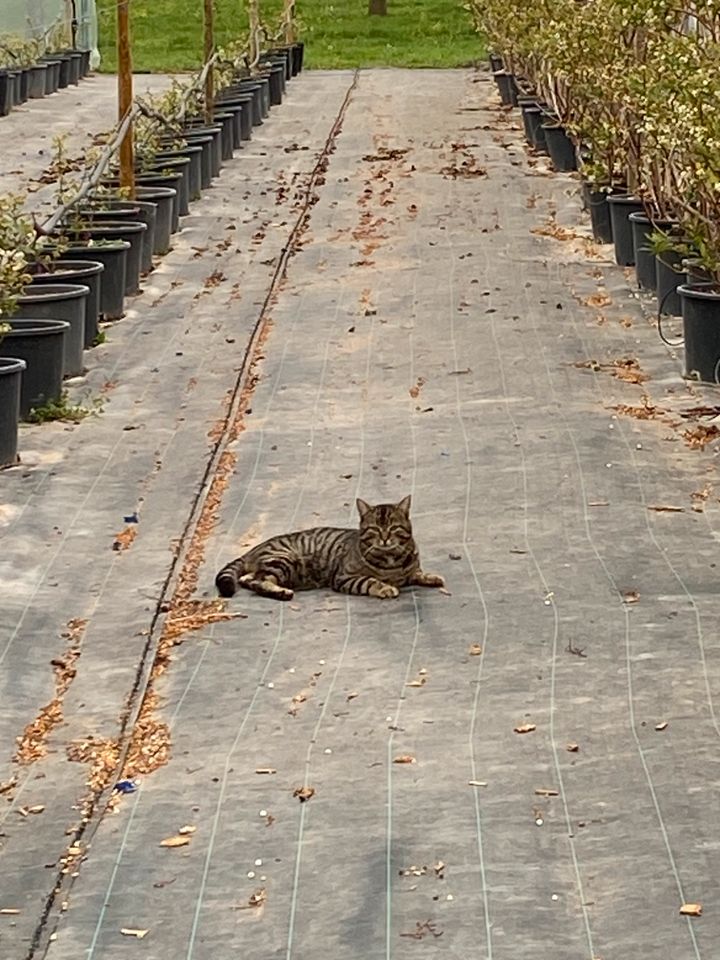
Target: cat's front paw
429,580
385,591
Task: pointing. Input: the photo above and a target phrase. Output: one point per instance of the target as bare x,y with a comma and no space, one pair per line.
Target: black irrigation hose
143,675
664,339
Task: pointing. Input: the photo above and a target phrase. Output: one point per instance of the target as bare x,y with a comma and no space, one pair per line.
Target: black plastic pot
22,84
245,101
6,93
194,153
506,88
298,57
644,257
198,131
247,89
621,206
234,110
59,301
88,273
205,159
701,329
176,165
496,62
60,65
130,231
253,83
162,198
533,118
37,81
560,147
84,63
52,75
170,181
276,78
283,55
75,65
138,211
41,345
597,204
113,256
668,277
11,374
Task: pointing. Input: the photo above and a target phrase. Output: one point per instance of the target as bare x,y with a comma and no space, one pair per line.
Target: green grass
167,34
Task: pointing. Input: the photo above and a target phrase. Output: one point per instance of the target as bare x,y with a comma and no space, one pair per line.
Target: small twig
575,651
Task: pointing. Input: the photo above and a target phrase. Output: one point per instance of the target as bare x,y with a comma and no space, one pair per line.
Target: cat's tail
227,580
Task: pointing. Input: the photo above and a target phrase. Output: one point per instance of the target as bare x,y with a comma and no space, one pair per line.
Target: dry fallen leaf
664,508
304,793
351,696
546,792
445,591
265,770
187,829
439,869
572,747
691,909
176,841
477,783
525,728
132,932
661,726
475,650
258,898
420,682
632,596
405,758
9,912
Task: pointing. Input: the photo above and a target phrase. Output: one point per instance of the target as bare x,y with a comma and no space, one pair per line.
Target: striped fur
375,560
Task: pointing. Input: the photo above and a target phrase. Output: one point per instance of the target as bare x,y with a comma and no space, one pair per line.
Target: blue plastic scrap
133,518
125,786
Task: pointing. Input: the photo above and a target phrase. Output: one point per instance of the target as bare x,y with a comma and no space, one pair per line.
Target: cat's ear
404,505
363,507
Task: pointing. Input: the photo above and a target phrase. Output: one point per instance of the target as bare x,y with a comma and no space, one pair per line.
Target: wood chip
475,650
351,696
176,841
420,682
598,503
9,912
666,508
132,932
572,747
258,898
265,770
632,596
546,792
405,758
445,591
477,783
661,726
691,909
525,728
187,829
304,793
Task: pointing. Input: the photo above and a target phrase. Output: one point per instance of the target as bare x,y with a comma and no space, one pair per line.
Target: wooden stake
125,94
208,51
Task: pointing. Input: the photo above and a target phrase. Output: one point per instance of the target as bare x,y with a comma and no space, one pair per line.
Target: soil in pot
11,374
621,206
41,345
113,256
560,147
88,273
59,301
701,329
668,277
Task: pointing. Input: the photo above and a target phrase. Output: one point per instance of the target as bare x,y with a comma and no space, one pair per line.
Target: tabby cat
374,560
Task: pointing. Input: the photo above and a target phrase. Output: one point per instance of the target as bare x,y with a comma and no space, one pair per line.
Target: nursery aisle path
523,766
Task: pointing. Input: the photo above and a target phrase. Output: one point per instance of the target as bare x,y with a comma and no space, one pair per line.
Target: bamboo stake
208,54
125,95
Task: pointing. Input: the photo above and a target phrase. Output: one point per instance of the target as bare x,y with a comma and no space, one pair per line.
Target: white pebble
263,813
258,863
554,897
539,821
271,686
263,879
291,670
612,426
251,874
388,719
450,897
321,662
328,750
608,465
638,446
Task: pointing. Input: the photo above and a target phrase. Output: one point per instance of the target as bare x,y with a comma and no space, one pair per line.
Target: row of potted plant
34,68
58,286
630,84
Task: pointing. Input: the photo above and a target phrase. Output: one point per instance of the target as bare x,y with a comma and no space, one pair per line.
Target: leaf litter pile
624,368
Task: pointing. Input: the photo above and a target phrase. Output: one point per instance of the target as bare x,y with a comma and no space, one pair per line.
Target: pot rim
40,327
114,246
11,365
108,226
54,291
623,199
74,267
701,290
